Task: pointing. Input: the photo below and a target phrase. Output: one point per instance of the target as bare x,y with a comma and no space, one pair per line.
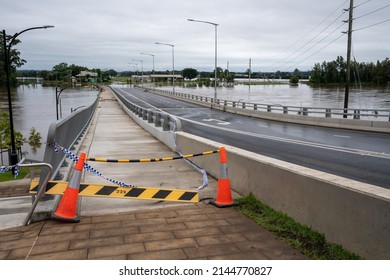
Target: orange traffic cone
67,209
224,195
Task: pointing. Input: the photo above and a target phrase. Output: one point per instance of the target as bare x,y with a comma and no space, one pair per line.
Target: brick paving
198,231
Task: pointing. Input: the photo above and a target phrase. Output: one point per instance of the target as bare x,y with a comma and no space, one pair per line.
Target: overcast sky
276,35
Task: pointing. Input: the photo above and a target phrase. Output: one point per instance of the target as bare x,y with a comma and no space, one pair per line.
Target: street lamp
7,64
152,55
142,70
58,93
215,76
173,63
136,68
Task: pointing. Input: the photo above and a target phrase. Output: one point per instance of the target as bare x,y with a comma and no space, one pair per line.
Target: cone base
65,219
219,205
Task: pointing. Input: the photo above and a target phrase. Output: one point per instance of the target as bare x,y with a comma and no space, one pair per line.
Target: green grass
307,241
7,176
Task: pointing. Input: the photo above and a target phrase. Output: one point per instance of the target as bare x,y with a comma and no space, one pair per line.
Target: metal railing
45,180
67,132
160,119
369,114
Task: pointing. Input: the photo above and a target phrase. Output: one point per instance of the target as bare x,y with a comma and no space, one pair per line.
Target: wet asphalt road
361,156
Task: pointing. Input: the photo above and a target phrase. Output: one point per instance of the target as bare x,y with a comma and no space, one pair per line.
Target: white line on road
342,136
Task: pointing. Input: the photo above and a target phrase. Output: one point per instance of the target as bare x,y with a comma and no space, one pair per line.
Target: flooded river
35,106
301,95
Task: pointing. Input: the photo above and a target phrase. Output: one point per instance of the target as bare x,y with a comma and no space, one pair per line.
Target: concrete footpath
139,229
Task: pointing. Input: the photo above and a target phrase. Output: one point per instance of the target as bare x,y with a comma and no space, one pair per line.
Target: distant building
86,75
158,78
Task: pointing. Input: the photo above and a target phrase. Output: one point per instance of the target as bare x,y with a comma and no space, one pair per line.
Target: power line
375,24
320,41
306,35
342,34
377,10
357,6
331,14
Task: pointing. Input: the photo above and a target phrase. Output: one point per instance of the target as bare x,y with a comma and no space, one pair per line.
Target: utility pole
348,74
250,70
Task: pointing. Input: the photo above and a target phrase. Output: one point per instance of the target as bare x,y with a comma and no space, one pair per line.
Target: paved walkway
131,229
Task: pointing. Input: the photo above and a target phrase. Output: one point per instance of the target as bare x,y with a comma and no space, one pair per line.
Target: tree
190,73
61,72
75,69
5,134
316,77
297,73
15,60
34,140
294,80
219,73
112,73
335,72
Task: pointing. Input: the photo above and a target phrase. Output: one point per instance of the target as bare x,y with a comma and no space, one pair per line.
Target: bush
294,80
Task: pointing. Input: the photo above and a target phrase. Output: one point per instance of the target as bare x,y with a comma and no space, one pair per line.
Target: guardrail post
165,123
268,108
328,113
150,116
305,111
234,104
225,104
255,107
285,110
157,120
356,114
144,114
243,105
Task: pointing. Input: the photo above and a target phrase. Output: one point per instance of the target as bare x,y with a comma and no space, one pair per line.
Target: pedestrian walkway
135,229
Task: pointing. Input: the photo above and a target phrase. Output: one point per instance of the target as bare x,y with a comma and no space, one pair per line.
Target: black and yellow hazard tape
151,159
113,191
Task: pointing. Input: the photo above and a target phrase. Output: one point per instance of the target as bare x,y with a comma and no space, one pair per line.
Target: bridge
332,180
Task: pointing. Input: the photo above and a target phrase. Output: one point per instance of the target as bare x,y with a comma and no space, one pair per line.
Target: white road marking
220,122
342,136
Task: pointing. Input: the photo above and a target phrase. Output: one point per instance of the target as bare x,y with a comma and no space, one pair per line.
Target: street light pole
58,93
142,70
7,65
135,68
152,55
215,56
173,63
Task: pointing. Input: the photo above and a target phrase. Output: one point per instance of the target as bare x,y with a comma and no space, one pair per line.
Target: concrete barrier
352,214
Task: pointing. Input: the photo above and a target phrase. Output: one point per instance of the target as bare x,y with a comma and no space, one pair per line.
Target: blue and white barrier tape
4,169
87,167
